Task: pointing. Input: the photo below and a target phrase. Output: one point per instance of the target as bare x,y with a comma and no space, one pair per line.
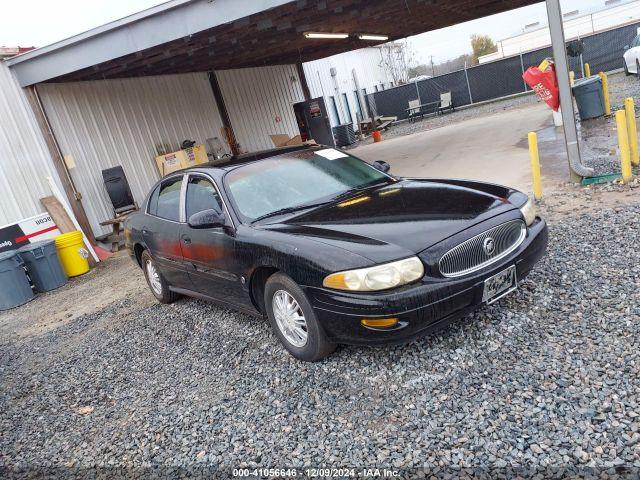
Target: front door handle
186,240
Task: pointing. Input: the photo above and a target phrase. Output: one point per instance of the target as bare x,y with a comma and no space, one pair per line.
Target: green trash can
589,97
14,284
43,265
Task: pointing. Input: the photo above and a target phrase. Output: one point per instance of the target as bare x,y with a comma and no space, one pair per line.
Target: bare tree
394,58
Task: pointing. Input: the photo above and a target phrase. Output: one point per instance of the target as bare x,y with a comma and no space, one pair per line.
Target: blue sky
41,22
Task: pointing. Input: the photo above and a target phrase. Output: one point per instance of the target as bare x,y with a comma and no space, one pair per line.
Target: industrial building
577,24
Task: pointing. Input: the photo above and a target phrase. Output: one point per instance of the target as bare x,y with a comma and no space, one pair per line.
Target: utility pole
433,71
576,169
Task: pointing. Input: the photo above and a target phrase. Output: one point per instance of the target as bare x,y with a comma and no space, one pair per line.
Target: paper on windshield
331,153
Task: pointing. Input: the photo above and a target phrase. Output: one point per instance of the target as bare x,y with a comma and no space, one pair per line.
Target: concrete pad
492,148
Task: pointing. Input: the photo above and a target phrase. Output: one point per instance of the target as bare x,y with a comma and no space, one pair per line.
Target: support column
73,196
303,82
576,169
224,114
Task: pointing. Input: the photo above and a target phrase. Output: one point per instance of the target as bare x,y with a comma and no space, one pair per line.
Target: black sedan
333,249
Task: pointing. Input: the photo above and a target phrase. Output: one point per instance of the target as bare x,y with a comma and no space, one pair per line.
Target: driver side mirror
207,219
382,166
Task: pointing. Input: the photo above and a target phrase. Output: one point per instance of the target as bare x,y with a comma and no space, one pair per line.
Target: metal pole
466,75
576,169
418,92
526,87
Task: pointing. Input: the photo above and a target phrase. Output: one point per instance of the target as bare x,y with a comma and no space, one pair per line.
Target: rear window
168,200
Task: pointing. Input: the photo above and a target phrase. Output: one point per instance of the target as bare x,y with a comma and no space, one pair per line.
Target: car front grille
471,255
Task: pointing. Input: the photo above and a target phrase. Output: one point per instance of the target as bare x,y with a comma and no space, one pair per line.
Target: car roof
239,160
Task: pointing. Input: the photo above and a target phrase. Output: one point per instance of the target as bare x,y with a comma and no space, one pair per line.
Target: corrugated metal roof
25,161
126,122
260,103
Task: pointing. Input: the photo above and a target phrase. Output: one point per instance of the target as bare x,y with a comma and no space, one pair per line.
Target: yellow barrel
73,254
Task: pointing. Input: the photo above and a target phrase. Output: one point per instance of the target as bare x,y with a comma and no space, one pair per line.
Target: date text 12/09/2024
315,473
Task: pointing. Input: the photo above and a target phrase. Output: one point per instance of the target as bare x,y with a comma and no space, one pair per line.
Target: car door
209,254
161,231
632,55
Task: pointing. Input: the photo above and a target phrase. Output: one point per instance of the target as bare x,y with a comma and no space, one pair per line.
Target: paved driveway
491,148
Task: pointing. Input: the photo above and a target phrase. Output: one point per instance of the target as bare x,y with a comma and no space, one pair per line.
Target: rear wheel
626,68
293,320
638,68
156,281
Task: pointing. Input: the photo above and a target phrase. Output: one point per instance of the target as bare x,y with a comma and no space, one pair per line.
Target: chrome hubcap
289,318
154,278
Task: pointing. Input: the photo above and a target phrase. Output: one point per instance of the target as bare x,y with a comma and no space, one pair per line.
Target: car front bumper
421,308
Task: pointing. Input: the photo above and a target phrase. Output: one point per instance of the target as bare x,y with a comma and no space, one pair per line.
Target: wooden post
73,196
224,113
303,82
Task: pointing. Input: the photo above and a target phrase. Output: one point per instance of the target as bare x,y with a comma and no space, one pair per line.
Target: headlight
379,277
529,212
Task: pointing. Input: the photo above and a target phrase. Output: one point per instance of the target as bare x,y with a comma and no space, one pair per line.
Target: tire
159,287
316,346
638,68
626,68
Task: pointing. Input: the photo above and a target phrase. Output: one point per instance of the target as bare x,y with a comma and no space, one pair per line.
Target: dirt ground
111,282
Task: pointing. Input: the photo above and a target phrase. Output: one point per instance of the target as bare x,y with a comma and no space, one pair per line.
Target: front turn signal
379,322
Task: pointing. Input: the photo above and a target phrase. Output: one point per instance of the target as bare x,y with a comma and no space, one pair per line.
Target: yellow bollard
623,142
587,70
632,127
605,91
535,165
572,77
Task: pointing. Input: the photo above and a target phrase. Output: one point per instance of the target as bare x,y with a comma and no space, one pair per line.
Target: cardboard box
189,157
283,140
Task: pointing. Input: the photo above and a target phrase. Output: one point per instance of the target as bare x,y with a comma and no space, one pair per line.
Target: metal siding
25,162
367,64
254,97
125,122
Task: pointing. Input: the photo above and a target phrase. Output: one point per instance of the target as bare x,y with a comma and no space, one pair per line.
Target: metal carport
183,36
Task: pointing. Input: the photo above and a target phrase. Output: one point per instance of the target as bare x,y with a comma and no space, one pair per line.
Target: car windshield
285,182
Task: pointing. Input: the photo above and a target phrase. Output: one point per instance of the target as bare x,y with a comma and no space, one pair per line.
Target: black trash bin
14,284
43,265
589,97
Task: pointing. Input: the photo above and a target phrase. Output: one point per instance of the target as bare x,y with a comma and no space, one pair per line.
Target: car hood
399,219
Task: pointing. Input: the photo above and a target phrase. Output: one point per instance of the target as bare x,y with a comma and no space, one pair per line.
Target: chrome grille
471,255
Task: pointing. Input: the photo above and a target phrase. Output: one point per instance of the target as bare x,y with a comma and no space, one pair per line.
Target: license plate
500,285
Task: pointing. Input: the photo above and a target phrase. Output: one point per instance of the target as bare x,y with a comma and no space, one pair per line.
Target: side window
169,199
153,202
202,195
636,42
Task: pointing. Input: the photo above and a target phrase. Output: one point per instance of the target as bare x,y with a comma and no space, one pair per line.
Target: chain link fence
489,81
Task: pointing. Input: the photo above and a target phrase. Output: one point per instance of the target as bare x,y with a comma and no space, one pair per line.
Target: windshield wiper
305,206
286,210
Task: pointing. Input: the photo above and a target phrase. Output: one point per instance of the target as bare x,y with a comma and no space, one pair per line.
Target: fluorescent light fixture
371,36
326,35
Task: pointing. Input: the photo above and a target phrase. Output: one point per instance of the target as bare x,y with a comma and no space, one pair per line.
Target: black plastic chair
117,187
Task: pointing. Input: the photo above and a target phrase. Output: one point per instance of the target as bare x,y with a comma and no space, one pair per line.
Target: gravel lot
546,381
599,136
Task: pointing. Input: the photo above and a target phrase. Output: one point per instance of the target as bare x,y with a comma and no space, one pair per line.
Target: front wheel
293,320
626,68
